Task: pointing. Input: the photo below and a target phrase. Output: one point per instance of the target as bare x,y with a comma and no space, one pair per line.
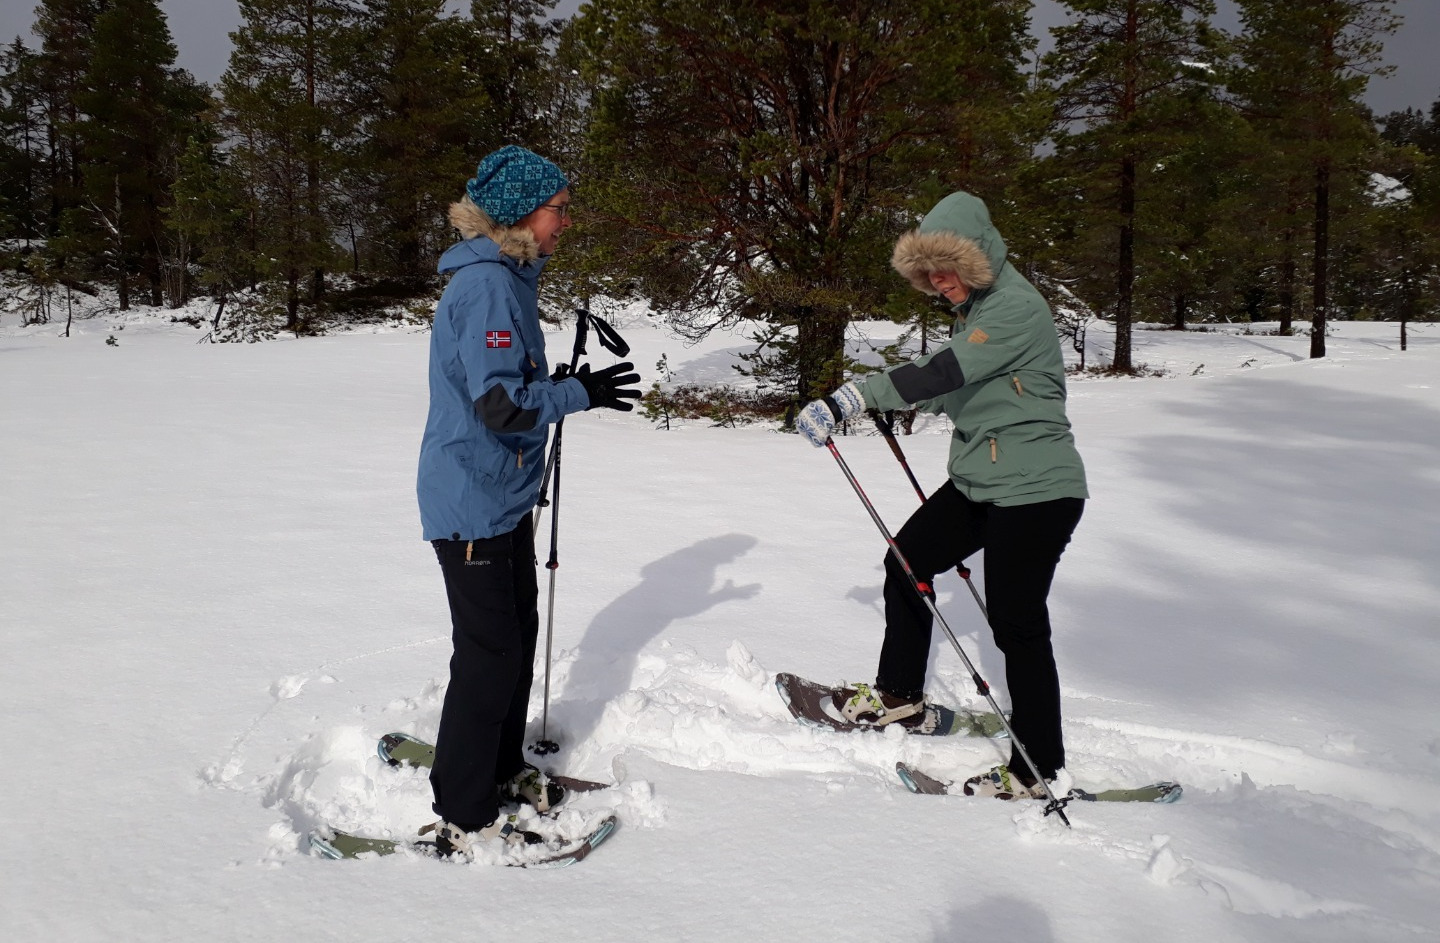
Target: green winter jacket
1000,378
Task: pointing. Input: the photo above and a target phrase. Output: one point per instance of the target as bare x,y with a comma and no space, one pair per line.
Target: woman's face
947,284
548,220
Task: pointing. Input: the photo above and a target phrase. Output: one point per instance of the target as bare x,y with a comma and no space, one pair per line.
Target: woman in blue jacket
492,400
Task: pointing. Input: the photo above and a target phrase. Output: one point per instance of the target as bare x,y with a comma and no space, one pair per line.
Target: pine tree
137,111
1305,68
1406,241
755,159
22,144
66,29
421,116
1411,128
287,111
595,261
1124,79
513,38
210,223
1186,261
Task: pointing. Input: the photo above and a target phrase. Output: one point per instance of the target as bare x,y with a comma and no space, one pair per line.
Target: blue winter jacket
491,397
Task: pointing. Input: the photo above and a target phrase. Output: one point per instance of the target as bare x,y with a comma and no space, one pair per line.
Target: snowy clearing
215,598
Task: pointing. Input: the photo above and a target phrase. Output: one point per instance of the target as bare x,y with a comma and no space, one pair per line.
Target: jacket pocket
490,460
1004,462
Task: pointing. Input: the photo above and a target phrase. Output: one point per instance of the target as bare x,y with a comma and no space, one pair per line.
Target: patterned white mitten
819,418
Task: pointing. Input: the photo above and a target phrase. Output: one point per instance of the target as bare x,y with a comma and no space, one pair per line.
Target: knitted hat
512,182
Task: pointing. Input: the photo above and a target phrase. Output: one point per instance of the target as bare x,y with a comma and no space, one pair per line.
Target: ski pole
927,594
612,342
887,429
545,745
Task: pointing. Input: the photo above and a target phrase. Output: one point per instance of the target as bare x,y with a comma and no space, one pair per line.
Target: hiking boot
455,841
1001,783
532,786
869,706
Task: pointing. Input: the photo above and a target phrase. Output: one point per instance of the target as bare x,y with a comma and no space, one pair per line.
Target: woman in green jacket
1016,485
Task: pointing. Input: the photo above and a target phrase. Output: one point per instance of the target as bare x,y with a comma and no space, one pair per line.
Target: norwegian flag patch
497,338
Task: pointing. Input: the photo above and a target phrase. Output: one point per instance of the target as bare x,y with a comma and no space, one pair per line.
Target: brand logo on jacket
978,336
497,338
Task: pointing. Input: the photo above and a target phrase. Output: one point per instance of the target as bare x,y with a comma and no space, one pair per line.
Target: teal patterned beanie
512,182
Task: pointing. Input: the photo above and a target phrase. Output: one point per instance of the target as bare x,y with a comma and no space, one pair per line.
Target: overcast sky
200,29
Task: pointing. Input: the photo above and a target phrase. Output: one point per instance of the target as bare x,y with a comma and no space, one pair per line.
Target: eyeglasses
561,210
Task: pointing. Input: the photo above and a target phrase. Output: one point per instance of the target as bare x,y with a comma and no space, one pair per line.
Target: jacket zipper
520,459
992,450
1019,390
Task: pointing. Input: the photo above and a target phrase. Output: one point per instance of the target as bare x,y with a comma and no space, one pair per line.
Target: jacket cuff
575,399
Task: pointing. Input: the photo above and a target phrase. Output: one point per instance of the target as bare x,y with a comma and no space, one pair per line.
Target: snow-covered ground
215,598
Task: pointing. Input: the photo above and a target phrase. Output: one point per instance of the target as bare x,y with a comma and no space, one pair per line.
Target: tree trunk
219,312
1125,269
820,348
1125,263
1287,281
1407,304
117,240
292,302
312,162
1322,254
354,247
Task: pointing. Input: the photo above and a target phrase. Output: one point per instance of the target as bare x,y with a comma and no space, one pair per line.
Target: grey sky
201,31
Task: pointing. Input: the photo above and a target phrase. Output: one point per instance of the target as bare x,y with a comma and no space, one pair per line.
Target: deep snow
215,598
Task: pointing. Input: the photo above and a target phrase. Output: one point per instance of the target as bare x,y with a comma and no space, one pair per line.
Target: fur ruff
918,254
515,241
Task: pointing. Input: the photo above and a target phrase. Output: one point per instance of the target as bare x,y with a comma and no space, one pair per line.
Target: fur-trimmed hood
517,242
956,236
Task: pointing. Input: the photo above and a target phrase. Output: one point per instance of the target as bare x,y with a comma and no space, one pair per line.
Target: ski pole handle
582,329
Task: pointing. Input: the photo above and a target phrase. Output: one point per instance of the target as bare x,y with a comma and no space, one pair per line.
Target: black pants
494,618
1022,546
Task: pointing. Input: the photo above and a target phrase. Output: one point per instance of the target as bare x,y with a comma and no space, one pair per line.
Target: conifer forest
744,162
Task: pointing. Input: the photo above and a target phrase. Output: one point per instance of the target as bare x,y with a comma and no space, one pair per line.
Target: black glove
607,387
561,372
